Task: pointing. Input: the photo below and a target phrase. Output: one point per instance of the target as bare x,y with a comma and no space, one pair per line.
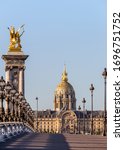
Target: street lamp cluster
13,105
104,74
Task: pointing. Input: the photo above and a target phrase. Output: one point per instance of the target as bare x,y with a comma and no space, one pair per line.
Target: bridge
16,115
38,141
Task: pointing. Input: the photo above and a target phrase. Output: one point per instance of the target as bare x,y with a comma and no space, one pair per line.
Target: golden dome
64,86
64,95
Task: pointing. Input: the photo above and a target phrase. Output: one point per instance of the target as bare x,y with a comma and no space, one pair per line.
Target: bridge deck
37,141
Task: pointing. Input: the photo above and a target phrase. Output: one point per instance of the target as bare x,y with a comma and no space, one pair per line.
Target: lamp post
37,115
16,105
2,86
79,108
84,101
20,105
91,89
8,88
23,104
13,91
104,74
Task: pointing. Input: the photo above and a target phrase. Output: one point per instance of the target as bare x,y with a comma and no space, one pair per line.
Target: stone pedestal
14,67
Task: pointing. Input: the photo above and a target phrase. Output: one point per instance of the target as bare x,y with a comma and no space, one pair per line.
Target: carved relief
15,62
15,77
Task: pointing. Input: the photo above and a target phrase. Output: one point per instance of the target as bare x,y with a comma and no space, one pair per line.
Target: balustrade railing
13,108
11,129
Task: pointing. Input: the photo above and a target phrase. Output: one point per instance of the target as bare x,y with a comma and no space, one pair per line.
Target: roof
53,114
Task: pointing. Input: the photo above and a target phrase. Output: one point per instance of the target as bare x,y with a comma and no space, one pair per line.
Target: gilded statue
15,42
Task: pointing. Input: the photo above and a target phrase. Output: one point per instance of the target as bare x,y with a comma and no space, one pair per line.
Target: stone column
21,80
7,72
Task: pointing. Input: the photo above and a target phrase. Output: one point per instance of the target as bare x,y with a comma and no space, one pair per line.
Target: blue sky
71,32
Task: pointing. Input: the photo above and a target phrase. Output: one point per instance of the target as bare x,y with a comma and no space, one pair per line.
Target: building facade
65,118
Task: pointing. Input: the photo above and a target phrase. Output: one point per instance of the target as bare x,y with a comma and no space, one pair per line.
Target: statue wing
20,27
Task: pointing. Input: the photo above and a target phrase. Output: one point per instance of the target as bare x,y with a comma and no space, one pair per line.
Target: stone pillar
7,74
21,80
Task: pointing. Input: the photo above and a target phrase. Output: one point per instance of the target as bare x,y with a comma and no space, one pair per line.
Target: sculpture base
14,49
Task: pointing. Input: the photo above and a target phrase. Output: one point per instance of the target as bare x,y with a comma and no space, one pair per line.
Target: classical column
7,72
21,80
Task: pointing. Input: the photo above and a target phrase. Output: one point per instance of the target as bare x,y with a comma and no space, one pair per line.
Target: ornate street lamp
28,106
79,108
23,104
2,85
8,87
104,74
37,115
21,97
16,104
92,89
12,92
84,101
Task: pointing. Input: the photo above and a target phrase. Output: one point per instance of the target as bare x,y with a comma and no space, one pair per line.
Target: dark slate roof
52,114
98,113
46,113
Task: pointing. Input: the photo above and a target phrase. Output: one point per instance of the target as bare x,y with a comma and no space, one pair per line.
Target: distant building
65,118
